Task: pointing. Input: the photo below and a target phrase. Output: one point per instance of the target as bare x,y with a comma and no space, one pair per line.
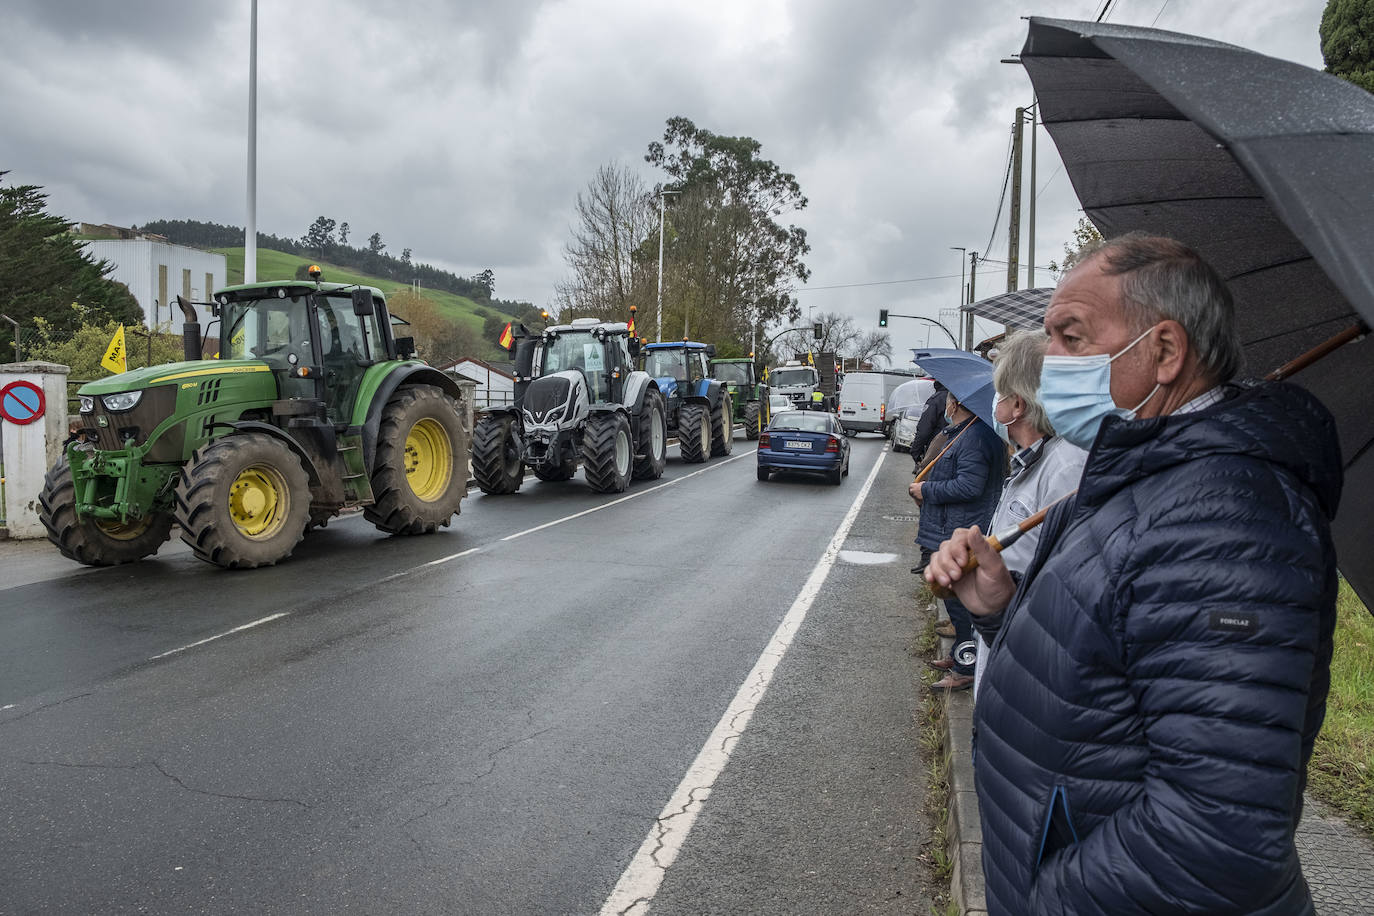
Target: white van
863,401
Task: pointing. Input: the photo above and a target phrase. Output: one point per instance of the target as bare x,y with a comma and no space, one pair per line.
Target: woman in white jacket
1043,467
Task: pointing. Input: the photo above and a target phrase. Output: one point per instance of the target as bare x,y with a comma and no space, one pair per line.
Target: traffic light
816,331
882,318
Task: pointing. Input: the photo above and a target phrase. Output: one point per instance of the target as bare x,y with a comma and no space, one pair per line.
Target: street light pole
962,315
250,229
662,218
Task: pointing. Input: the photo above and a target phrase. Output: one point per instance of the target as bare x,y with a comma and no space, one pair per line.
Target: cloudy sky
465,130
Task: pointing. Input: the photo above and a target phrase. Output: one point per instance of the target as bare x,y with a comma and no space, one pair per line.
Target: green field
1342,768
278,265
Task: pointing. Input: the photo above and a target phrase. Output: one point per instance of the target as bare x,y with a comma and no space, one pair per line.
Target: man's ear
1172,350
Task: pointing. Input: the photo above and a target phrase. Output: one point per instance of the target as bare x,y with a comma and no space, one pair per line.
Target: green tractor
749,396
312,407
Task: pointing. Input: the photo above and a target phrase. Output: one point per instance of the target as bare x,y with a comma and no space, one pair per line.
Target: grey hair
1164,279
1017,374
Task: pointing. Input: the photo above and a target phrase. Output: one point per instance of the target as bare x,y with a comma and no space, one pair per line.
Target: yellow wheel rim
119,531
259,502
428,459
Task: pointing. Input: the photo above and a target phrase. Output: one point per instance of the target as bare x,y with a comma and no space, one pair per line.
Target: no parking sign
21,402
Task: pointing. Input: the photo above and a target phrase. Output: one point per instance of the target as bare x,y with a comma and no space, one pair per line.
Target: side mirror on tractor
362,303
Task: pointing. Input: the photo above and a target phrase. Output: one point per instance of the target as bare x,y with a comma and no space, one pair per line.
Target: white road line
239,629
640,881
616,502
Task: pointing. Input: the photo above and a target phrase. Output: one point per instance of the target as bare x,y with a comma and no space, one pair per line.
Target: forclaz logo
1233,621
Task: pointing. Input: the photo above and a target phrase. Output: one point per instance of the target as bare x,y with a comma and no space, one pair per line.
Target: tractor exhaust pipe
190,331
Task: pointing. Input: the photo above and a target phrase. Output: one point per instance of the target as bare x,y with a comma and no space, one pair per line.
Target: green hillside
278,265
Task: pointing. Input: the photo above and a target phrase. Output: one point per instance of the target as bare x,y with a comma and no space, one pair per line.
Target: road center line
238,629
616,502
641,879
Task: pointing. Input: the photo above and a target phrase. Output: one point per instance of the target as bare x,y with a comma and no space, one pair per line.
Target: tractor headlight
125,400
87,403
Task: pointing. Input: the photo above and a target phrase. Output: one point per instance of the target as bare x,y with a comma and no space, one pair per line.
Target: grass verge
1342,768
934,756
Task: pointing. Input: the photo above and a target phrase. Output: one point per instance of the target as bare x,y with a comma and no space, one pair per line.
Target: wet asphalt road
487,720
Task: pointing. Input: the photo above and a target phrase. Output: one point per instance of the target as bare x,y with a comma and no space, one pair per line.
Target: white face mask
1076,392
997,424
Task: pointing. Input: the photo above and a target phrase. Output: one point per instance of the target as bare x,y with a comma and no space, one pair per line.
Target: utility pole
1014,229
972,290
1030,229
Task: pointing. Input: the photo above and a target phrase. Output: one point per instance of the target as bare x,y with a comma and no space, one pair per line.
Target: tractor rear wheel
752,426
694,433
652,439
496,461
723,425
243,501
418,480
607,452
564,471
95,541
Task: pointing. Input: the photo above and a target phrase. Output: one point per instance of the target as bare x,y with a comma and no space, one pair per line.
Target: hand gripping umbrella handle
998,542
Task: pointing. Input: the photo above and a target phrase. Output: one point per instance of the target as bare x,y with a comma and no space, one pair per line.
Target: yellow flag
114,354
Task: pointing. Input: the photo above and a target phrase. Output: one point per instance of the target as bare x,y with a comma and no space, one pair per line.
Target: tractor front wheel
243,501
652,445
95,541
496,461
607,452
723,425
752,424
694,433
418,478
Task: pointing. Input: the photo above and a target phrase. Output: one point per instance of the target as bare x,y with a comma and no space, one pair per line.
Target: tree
487,280
615,218
374,243
319,236
405,257
343,233
871,346
440,339
734,264
45,272
1085,239
1347,34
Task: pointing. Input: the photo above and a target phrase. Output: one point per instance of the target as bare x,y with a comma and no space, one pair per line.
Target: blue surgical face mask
1076,392
997,424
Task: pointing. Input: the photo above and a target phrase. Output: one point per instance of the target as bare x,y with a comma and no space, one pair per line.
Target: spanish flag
507,337
632,326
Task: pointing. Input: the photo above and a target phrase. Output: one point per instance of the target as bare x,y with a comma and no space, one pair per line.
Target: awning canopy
1019,309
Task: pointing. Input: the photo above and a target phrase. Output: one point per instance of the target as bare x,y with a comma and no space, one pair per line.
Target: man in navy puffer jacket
1159,675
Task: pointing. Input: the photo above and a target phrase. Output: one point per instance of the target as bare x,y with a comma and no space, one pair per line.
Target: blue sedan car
804,440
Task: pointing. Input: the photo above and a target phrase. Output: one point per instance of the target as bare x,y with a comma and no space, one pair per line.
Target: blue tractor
698,406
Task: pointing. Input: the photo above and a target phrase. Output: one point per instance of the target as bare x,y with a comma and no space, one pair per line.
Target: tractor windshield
732,373
581,351
666,363
264,329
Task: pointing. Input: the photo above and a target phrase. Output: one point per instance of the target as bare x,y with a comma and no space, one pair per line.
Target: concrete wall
138,262
30,450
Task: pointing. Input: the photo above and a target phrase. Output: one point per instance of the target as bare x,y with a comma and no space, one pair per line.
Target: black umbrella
1266,168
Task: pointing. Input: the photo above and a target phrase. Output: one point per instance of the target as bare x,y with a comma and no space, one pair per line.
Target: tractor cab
318,339
679,368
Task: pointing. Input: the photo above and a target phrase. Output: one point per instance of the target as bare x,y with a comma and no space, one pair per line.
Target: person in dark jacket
1158,677
931,422
961,490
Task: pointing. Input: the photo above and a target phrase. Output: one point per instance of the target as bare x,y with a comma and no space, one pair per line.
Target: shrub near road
1342,768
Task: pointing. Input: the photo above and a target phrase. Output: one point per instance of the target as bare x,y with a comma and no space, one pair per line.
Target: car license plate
849,411
793,443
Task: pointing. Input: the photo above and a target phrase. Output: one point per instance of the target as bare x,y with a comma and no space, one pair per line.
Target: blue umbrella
967,376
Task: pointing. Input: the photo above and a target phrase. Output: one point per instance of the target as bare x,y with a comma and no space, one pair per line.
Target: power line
1105,8
807,289
1006,180
1160,13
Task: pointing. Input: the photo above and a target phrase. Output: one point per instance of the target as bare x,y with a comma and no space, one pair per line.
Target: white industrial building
156,271
495,383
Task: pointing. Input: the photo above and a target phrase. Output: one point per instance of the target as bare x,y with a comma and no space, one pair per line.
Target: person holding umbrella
1159,675
961,489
